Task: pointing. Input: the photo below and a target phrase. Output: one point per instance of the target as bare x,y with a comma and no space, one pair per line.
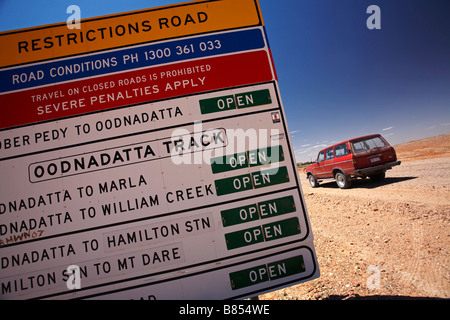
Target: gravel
383,240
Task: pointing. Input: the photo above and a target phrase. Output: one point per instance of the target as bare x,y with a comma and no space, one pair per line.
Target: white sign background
97,219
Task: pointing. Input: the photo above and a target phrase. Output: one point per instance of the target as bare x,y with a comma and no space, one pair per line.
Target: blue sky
337,78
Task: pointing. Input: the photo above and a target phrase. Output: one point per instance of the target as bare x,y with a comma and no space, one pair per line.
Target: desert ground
383,240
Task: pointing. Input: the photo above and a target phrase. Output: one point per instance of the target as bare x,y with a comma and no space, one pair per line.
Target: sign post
147,155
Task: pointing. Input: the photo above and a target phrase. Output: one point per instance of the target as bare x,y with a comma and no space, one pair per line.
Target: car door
328,164
320,162
343,158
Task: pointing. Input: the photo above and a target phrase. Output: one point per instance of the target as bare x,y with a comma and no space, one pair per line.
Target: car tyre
313,181
342,180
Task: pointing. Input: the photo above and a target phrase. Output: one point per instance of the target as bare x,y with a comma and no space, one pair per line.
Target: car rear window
368,144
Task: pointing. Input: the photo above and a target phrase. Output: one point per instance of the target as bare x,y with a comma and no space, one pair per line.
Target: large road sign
147,155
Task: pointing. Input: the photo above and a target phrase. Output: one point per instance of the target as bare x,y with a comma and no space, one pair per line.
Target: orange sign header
120,30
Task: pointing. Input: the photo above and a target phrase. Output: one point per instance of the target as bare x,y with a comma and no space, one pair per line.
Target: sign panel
159,170
115,31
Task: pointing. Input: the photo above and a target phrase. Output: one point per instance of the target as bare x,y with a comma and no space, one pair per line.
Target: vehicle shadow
367,183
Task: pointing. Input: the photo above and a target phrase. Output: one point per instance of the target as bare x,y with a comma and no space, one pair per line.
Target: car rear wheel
342,180
313,181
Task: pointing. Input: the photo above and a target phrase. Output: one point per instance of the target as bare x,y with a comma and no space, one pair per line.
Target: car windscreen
368,144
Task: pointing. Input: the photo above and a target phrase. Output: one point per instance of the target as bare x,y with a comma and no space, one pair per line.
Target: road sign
156,166
130,28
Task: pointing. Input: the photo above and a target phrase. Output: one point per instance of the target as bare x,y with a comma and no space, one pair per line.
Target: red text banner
123,89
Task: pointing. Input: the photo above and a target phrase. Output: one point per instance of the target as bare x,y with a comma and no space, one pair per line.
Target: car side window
341,150
329,154
320,157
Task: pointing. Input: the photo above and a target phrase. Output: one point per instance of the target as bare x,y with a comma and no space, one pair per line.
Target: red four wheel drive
367,156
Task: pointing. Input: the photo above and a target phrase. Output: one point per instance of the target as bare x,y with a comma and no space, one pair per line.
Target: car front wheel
342,180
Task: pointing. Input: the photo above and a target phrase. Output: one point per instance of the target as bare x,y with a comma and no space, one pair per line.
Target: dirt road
383,240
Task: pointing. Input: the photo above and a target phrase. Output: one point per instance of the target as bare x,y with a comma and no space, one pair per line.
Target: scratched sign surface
147,155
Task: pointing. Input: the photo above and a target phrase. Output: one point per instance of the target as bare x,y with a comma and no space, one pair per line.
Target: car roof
352,139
